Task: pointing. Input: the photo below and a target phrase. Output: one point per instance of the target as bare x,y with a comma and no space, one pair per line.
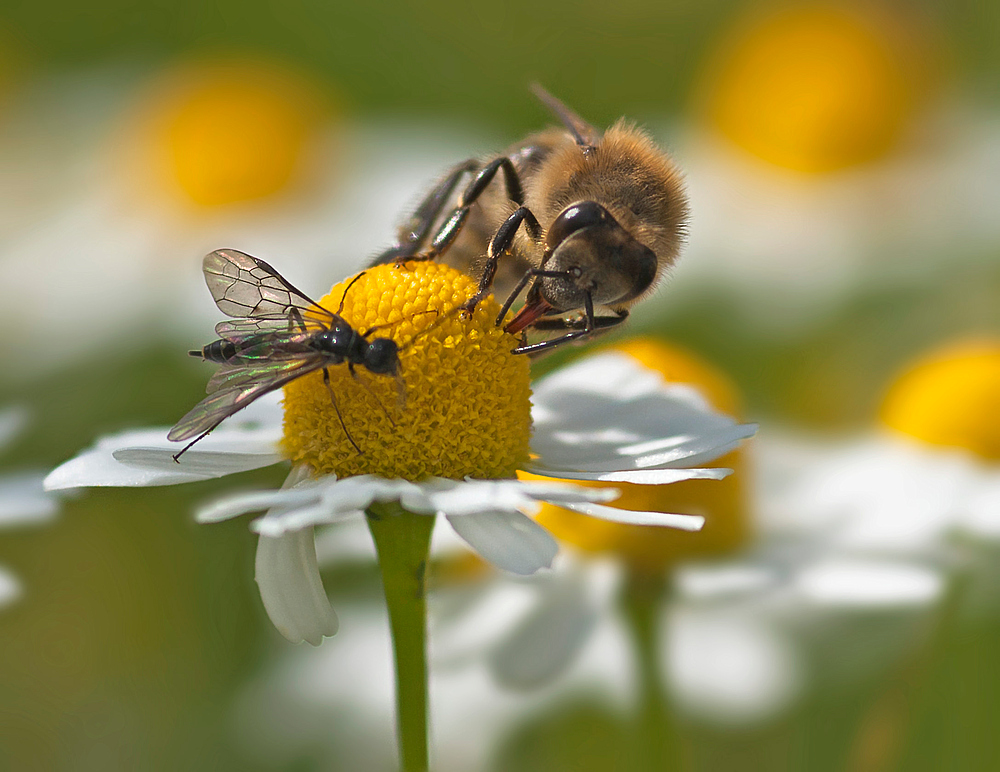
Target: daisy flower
732,625
449,443
928,472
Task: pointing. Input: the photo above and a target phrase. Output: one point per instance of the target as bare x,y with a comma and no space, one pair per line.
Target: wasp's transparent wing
246,287
241,386
237,330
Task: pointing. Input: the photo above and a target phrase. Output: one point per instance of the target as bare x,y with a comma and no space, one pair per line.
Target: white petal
869,584
729,668
510,540
238,504
145,457
643,477
722,580
23,500
13,420
609,413
455,497
630,517
291,588
546,641
10,587
301,517
329,500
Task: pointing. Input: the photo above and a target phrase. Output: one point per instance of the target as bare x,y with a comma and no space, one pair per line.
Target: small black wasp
279,334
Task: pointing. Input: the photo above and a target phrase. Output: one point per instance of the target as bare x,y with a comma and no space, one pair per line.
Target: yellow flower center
460,406
723,502
817,88
232,131
950,398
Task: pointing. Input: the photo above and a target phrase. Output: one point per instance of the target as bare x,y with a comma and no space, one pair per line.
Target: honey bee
603,218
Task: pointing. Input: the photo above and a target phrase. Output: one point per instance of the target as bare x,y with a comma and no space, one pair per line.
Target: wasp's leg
333,399
186,448
295,320
500,244
581,328
362,382
414,232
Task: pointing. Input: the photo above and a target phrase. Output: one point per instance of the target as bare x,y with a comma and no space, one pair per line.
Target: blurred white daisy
605,418
23,501
123,180
826,160
928,473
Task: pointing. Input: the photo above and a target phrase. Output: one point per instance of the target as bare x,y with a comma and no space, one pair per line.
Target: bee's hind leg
448,232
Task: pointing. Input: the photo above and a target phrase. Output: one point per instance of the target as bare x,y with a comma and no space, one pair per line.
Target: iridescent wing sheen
236,388
246,287
237,330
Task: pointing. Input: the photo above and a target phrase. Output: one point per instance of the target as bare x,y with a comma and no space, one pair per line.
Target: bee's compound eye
382,356
582,214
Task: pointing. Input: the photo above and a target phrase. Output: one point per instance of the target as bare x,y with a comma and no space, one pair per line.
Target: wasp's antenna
387,325
347,289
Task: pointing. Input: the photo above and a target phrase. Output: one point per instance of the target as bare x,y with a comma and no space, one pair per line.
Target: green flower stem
403,540
657,744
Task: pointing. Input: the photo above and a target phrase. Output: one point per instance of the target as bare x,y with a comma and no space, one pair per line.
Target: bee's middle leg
500,244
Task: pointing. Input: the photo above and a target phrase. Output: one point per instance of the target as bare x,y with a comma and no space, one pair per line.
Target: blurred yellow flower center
233,131
814,88
951,398
722,502
460,406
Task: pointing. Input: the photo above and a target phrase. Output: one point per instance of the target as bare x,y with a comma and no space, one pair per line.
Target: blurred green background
138,630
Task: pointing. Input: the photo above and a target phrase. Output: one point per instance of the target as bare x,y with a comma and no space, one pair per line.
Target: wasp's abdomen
220,351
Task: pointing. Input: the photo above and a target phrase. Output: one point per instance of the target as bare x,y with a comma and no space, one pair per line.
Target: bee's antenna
586,136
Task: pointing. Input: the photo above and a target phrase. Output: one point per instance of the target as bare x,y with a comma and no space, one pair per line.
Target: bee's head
382,357
595,255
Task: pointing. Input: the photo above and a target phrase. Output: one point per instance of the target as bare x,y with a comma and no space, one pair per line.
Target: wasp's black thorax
341,342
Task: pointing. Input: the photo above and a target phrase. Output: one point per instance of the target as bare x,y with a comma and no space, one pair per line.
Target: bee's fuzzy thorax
627,174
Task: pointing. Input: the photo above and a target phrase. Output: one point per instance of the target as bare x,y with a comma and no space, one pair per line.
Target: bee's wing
246,287
238,387
584,134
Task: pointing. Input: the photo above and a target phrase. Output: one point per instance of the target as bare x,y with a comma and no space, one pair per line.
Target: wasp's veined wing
281,345
238,387
247,287
236,330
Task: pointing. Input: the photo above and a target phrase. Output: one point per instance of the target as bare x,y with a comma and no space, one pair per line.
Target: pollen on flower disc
461,407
